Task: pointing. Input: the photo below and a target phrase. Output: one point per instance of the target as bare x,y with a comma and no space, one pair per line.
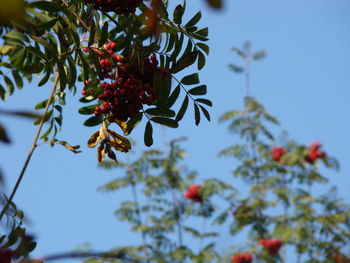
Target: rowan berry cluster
6,255
126,86
314,152
118,6
193,193
277,152
272,245
244,257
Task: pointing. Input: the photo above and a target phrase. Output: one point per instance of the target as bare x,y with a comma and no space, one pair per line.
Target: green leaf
88,109
178,47
40,105
178,13
205,101
133,122
47,25
46,6
18,79
166,122
197,115
2,92
148,134
45,43
9,85
236,68
93,121
190,79
37,52
17,35
72,71
217,4
160,112
194,20
46,77
259,55
201,61
62,74
203,47
184,62
92,34
104,35
182,110
205,112
173,97
200,90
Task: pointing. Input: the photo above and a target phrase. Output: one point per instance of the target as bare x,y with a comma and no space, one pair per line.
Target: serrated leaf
190,79
166,122
182,110
93,121
148,136
200,90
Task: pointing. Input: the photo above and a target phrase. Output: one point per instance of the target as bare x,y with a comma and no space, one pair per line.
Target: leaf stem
32,148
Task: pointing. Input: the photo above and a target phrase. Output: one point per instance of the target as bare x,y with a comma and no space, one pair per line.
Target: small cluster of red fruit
244,257
118,6
272,246
126,88
313,154
193,193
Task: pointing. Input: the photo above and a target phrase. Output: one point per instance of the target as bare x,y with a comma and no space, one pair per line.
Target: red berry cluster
244,257
6,255
193,193
272,245
277,152
125,88
339,258
118,6
314,153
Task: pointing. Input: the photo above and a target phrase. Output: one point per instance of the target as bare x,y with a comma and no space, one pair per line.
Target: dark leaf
148,134
93,121
182,110
200,90
166,122
197,115
190,79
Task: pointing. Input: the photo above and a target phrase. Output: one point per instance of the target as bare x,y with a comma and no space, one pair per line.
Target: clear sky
304,82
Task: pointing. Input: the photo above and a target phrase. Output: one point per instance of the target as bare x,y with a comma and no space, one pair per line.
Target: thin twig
78,17
32,148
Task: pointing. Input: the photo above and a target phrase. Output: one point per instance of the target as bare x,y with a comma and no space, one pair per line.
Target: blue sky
304,82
